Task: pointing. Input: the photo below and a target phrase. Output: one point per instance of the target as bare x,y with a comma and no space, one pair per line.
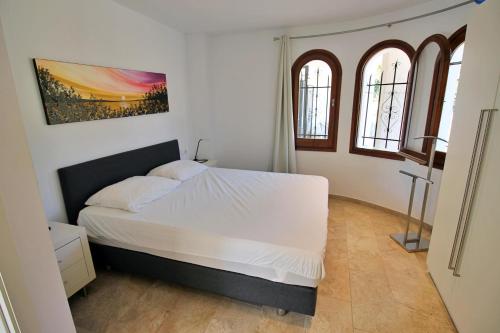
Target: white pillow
133,193
181,170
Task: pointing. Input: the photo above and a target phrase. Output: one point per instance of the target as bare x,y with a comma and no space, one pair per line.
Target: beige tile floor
372,285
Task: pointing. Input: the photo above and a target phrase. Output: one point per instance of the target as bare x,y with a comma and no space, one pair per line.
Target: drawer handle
65,282
59,261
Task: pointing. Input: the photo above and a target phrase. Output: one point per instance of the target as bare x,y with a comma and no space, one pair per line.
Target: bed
255,236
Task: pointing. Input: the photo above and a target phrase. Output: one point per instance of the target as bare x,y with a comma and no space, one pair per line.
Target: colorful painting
73,92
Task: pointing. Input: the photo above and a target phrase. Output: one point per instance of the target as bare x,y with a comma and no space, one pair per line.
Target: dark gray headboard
80,181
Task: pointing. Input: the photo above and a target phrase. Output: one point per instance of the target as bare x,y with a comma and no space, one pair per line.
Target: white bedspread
261,224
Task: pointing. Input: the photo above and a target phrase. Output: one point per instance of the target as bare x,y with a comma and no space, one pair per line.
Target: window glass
315,80
449,98
382,100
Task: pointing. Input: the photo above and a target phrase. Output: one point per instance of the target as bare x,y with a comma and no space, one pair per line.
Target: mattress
262,224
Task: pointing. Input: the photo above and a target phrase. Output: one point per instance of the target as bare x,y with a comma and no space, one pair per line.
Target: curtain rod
388,24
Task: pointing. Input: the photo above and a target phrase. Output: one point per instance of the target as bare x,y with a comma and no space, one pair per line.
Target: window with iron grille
381,80
316,79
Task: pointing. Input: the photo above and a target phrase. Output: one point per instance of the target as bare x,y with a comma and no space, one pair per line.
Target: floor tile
332,315
369,287
336,283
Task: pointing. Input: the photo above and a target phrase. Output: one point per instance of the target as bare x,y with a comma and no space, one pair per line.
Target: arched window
379,97
316,78
457,43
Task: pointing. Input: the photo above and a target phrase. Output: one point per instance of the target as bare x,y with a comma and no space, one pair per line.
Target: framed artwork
74,92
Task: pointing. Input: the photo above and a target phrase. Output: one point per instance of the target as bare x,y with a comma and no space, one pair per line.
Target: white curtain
284,140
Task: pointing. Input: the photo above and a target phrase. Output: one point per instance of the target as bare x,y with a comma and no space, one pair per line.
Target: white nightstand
73,256
210,163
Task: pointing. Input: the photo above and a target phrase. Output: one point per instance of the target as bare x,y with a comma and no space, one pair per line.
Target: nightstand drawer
75,277
69,254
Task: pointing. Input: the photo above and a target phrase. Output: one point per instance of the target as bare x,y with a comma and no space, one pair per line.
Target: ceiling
238,15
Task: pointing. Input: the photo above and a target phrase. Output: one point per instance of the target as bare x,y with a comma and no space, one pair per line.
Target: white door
469,297
476,293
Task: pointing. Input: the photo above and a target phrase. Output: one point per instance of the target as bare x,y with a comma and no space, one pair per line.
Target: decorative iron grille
314,106
390,97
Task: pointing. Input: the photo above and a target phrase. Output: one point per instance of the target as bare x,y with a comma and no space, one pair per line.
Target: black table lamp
196,154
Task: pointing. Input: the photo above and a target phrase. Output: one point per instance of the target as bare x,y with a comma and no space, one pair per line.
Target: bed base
234,285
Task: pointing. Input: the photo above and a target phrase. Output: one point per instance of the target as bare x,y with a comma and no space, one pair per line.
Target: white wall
242,86
202,121
27,260
101,33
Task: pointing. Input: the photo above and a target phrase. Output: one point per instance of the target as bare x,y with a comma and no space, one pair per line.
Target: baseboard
388,210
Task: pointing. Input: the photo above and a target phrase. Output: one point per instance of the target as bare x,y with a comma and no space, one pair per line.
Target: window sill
323,149
376,153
